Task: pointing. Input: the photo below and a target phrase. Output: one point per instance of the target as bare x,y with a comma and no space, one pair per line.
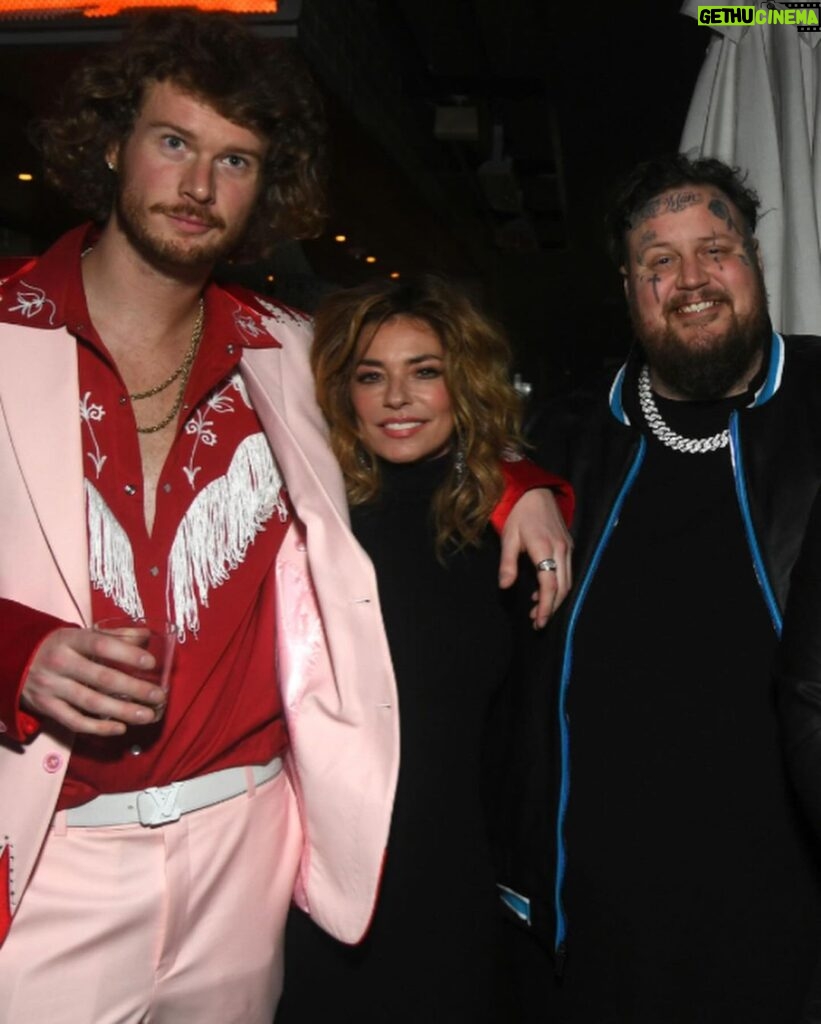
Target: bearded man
684,887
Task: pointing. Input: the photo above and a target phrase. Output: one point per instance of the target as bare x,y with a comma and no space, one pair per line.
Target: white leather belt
160,805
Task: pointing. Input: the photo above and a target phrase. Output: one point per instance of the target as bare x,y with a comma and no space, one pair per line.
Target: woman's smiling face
399,394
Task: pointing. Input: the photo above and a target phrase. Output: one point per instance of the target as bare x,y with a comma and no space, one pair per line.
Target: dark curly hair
485,406
256,84
652,177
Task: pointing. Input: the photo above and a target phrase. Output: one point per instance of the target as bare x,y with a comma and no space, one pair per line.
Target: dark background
574,94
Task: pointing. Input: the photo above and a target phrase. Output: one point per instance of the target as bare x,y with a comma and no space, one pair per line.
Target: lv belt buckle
157,805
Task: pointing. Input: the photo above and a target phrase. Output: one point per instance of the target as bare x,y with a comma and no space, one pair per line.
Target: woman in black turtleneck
414,384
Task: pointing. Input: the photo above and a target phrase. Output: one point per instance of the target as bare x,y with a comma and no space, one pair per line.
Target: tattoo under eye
655,281
750,255
720,209
715,252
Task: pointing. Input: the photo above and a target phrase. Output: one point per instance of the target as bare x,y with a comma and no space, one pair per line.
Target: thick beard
715,366
167,253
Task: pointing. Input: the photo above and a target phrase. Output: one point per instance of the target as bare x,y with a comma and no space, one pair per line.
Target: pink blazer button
52,763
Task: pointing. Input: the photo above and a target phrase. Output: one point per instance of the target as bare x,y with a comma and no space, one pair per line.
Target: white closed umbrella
757,106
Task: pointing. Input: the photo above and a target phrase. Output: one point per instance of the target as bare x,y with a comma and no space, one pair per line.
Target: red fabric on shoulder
521,476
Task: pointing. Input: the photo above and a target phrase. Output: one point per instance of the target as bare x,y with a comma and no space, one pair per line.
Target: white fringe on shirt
110,559
219,525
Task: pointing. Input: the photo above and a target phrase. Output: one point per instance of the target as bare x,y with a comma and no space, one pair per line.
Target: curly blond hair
214,57
485,406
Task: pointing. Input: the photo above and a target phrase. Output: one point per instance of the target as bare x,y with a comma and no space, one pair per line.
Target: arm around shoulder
521,475
535,511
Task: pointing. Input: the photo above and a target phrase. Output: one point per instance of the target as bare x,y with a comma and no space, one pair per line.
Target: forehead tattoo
718,208
671,202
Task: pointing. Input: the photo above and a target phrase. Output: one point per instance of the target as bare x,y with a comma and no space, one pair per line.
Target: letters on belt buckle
157,805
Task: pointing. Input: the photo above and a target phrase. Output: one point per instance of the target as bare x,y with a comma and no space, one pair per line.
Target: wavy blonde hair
485,406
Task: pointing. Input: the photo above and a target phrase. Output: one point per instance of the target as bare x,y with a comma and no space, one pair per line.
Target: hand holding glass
155,636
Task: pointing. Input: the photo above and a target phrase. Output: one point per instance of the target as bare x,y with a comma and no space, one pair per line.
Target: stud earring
110,165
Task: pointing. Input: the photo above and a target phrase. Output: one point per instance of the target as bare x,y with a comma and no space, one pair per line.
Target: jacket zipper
564,722
749,529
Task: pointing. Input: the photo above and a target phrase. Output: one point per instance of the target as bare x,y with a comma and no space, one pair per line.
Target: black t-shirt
691,894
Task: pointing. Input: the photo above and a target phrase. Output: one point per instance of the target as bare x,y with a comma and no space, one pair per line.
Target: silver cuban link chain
668,437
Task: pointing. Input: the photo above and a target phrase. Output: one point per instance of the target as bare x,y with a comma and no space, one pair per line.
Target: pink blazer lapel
305,459
335,667
39,401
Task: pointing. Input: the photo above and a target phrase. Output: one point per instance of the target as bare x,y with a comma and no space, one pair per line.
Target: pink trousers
181,924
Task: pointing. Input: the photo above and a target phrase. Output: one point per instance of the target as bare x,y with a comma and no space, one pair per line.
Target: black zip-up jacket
592,440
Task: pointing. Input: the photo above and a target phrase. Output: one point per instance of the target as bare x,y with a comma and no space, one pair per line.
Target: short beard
169,254
712,368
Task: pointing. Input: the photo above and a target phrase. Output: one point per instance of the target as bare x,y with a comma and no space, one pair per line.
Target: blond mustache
209,220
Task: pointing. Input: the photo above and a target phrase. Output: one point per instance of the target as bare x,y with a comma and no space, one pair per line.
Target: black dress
430,954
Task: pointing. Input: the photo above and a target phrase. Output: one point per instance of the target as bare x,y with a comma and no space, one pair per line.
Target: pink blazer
334,665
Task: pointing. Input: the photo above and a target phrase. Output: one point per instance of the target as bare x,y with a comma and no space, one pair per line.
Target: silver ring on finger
546,565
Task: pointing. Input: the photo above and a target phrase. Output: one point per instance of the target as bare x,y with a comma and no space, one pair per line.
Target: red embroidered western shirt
207,565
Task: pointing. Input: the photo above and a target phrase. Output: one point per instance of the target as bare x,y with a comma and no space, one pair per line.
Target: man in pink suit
162,456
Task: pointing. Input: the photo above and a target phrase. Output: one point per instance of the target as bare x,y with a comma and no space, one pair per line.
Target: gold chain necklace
183,372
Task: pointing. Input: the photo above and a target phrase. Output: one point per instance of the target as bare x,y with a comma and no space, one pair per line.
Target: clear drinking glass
156,636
